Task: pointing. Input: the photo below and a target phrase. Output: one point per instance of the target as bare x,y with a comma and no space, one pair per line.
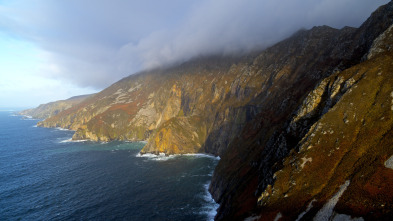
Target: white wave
201,155
135,141
210,208
79,141
70,140
159,157
66,141
60,128
35,125
163,157
27,117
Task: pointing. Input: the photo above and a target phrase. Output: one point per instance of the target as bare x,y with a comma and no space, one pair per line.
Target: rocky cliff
265,173
302,128
173,108
345,152
44,111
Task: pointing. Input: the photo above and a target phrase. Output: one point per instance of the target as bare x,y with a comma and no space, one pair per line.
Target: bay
45,176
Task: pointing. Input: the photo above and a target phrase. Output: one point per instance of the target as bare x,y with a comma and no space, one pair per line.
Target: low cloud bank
95,43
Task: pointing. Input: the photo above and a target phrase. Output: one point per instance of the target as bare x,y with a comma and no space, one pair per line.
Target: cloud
95,43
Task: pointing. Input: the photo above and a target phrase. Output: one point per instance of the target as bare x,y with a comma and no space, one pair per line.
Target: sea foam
60,128
163,157
69,140
26,117
200,155
210,209
159,157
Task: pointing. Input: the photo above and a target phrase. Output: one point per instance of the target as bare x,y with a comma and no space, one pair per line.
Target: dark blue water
45,177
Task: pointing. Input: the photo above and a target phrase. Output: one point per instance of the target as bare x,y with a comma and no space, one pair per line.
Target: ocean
46,176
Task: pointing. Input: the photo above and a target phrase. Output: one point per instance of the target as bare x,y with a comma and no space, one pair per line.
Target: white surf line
211,208
70,140
200,155
159,157
62,129
163,157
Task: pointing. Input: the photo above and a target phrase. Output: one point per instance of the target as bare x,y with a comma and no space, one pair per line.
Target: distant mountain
51,109
303,128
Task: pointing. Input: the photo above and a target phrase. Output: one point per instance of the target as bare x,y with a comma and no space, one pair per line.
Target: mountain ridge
47,110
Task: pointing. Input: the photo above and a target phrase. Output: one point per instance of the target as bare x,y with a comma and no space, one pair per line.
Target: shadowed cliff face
246,170
275,117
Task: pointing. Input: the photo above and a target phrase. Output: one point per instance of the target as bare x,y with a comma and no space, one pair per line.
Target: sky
52,50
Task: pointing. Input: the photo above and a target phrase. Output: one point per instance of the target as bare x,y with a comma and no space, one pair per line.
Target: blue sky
52,50
23,82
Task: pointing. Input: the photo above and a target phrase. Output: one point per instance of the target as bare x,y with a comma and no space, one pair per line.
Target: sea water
46,176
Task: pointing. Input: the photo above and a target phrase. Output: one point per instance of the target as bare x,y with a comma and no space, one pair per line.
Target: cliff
157,104
292,162
302,128
44,111
347,149
200,105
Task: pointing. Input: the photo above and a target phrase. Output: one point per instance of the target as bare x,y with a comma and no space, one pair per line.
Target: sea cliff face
303,124
175,108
